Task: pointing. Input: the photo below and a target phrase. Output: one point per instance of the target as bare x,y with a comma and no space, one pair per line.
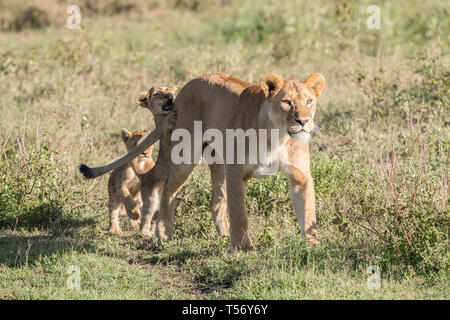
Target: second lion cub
124,186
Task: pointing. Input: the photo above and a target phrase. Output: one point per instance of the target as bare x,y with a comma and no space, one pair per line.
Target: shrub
395,211
429,94
34,189
107,7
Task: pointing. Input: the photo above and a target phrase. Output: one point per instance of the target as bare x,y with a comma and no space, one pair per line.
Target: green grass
379,159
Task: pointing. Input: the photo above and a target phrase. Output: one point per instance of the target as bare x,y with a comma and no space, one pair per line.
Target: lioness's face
131,140
293,103
159,100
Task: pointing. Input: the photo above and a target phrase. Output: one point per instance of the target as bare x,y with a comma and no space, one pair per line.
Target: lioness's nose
302,121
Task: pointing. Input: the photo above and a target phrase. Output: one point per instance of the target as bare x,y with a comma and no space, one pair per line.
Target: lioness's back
208,98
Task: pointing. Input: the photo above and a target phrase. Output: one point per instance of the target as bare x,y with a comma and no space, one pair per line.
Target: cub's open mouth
168,106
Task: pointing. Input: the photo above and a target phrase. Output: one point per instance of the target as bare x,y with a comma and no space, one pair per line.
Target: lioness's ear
125,134
315,83
271,85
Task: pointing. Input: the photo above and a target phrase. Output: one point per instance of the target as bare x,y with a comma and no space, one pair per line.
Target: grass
380,158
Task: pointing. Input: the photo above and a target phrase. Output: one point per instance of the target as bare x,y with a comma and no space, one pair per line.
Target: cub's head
293,103
131,140
159,100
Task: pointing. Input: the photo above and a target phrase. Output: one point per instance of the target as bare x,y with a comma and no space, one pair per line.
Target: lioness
223,102
124,185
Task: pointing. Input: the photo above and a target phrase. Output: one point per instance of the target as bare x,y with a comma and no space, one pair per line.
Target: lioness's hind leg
236,193
218,205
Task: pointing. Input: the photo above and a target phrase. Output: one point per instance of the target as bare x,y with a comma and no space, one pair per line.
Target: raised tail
90,173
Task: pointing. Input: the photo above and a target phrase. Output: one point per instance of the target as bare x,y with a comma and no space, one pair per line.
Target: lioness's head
131,140
159,100
293,103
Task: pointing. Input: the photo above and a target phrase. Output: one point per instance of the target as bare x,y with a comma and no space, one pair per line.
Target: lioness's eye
309,101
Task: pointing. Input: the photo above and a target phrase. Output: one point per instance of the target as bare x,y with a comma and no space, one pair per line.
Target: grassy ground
380,159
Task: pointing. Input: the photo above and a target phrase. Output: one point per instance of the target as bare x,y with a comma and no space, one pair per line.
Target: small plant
258,27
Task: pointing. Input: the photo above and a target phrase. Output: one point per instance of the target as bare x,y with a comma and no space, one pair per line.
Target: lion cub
159,100
124,185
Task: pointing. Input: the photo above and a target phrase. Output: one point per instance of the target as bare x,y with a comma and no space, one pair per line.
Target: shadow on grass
60,230
206,266
18,250
162,256
51,216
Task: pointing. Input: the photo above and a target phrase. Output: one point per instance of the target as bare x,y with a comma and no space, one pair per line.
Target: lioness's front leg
237,209
303,202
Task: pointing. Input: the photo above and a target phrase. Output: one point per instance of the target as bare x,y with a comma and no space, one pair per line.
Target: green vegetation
380,157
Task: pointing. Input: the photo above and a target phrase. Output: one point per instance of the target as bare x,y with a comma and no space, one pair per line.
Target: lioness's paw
249,248
163,234
245,244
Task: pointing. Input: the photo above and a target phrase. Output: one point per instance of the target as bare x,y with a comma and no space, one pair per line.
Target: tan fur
224,102
155,99
153,181
124,185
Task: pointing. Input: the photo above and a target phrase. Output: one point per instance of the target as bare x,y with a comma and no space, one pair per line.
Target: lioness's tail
86,171
91,173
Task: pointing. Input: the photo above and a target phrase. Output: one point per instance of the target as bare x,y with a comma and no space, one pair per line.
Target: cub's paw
134,214
115,230
135,224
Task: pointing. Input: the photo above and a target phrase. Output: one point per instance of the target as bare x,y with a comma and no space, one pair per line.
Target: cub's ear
315,83
142,98
125,134
271,85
